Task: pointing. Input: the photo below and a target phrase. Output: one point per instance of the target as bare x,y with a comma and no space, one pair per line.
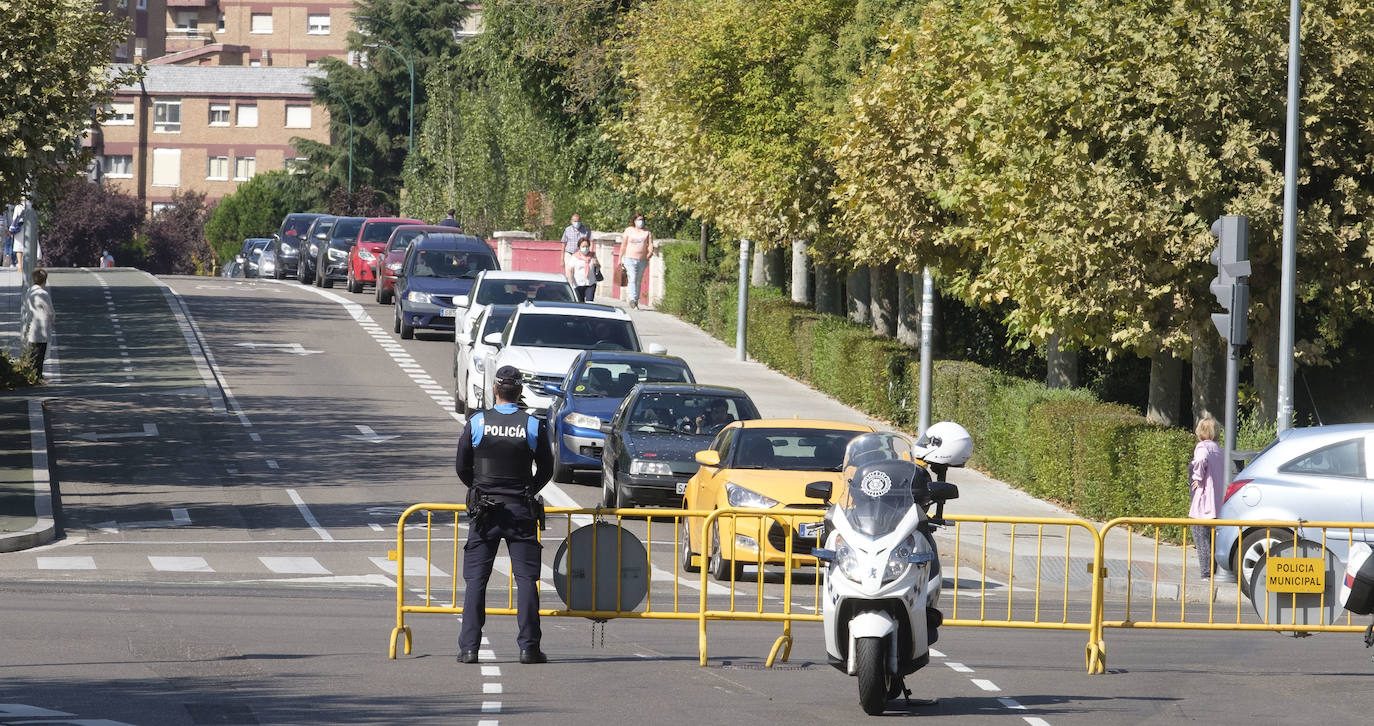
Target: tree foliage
175,238
256,209
87,218
54,77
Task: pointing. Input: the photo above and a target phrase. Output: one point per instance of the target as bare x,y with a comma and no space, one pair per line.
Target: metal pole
1290,229
1232,383
742,309
927,332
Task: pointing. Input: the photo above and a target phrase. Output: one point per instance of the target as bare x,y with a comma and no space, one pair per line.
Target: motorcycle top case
1357,589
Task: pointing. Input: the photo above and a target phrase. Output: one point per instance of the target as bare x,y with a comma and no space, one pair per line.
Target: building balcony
179,39
192,3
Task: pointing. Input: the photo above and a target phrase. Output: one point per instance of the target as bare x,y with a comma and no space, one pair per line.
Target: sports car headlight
416,296
337,254
583,421
365,255
643,466
393,266
738,496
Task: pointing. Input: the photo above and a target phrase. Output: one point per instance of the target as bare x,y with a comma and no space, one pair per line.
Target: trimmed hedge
1097,459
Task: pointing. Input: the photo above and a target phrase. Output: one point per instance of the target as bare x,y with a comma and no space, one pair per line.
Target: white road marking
1011,703
491,707
255,436
272,464
1034,721
984,684
492,688
149,431
294,565
293,348
195,343
309,518
958,667
486,654
66,563
375,526
365,433
415,567
491,671
488,722
179,564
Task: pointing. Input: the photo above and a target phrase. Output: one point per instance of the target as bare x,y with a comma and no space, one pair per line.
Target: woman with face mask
582,271
636,247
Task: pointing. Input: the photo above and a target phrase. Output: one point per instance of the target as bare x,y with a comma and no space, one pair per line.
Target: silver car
1321,473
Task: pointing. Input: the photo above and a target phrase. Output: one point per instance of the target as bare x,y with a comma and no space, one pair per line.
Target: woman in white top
636,247
37,314
582,269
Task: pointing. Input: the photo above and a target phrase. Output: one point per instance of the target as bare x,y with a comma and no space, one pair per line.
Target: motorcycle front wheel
872,672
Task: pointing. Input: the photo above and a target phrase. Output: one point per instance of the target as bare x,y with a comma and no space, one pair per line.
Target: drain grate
727,665
221,714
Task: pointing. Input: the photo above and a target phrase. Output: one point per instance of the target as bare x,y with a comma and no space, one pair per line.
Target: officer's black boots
533,655
467,656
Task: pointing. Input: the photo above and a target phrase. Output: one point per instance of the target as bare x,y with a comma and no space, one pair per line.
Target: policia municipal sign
1296,584
1295,574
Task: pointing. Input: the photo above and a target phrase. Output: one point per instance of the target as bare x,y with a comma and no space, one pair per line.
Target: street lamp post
1288,273
349,111
410,67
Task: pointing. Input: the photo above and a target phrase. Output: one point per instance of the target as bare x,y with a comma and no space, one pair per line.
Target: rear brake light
1236,486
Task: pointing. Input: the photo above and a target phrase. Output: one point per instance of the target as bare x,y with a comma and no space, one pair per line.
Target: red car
363,259
395,252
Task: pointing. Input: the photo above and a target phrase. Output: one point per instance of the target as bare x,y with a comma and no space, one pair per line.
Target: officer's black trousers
518,529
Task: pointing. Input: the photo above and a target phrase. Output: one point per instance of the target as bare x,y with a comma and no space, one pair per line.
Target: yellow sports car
764,463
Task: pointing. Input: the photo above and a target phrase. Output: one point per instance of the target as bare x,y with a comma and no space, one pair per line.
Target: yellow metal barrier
1174,599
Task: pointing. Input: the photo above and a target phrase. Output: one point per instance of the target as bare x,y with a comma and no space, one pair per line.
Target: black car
437,268
331,264
251,254
286,244
315,237
651,443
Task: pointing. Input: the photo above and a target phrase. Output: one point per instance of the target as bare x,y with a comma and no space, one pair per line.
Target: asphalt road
229,566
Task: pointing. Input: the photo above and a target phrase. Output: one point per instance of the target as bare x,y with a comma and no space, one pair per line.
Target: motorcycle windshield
879,470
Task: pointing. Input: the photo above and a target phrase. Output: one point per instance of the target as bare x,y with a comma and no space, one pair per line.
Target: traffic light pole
1232,289
1232,384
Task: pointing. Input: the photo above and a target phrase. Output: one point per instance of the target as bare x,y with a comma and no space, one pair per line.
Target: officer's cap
507,374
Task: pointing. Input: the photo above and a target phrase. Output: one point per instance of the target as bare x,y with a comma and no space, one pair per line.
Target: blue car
436,269
597,382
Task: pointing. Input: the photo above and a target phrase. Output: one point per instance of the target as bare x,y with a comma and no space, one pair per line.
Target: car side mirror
492,339
709,457
461,301
656,349
819,490
607,427
552,389
942,491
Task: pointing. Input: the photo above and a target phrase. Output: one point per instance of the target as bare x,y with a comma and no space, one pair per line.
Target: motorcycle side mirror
819,490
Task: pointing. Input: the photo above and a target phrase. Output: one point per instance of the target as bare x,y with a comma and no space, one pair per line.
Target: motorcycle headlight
845,559
738,496
393,266
898,561
643,466
583,421
365,255
337,254
416,296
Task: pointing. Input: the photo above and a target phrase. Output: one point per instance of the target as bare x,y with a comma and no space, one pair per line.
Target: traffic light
1230,286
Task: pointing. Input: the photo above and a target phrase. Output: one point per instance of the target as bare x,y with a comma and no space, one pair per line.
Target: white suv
542,339
510,287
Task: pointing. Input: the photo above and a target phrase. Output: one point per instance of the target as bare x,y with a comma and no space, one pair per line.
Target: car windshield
345,232
295,226
702,414
380,231
788,449
322,227
603,378
514,292
574,331
879,469
450,263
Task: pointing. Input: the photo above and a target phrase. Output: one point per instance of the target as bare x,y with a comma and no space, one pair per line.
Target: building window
166,167
312,64
217,168
122,51
317,24
244,168
248,114
219,114
167,116
297,117
219,25
142,4
118,167
295,164
262,23
120,113
185,20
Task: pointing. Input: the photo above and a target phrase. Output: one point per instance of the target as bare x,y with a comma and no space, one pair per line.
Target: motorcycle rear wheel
871,669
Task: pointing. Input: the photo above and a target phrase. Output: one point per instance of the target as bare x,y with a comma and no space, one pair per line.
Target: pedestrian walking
16,233
449,221
495,454
38,320
106,259
584,271
636,247
1207,480
573,235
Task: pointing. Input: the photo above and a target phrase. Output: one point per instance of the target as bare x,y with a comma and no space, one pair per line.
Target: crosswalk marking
415,567
66,563
179,564
294,565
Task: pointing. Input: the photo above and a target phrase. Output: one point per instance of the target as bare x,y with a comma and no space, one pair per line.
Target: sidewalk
26,513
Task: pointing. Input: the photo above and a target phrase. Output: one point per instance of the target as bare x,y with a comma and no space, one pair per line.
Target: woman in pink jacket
1207,479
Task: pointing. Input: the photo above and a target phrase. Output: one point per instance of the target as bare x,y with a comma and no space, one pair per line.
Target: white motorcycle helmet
947,443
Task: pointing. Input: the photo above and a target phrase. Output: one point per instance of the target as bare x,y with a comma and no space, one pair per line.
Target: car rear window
514,292
574,331
602,378
791,449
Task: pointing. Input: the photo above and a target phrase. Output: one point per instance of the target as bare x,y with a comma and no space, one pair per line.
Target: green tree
56,78
256,209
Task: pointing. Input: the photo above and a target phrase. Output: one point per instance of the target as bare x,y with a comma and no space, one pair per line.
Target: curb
45,529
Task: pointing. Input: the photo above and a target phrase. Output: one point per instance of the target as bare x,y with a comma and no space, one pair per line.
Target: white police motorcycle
882,586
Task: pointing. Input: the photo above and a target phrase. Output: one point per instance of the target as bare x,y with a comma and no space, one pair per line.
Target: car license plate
682,487
448,313
809,529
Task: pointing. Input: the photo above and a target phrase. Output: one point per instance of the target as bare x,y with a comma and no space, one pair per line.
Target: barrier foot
783,643
1097,658
403,631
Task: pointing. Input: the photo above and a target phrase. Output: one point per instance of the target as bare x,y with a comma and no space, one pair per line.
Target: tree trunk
1166,387
883,300
1209,373
801,278
827,290
856,295
705,244
758,268
1061,370
908,309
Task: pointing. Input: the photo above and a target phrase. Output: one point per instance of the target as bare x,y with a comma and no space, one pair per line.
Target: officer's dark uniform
495,452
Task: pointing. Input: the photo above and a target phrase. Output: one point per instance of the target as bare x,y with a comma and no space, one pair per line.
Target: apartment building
206,128
294,33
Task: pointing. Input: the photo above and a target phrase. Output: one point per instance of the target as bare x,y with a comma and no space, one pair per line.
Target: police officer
495,452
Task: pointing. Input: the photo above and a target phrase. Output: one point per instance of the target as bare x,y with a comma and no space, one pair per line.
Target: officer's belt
501,498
